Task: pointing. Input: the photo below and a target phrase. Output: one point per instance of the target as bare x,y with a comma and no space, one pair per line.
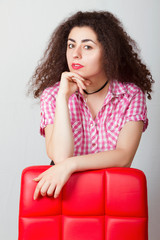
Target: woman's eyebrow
84,40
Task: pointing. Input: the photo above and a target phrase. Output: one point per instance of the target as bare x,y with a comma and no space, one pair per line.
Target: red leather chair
108,204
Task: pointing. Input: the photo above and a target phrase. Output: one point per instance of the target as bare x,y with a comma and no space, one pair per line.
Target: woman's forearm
113,158
61,144
60,141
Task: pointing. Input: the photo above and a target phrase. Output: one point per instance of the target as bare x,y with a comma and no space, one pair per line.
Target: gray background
25,28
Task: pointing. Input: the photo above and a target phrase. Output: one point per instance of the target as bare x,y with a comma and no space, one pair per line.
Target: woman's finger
39,177
44,188
80,82
85,81
71,74
38,189
79,86
57,191
51,189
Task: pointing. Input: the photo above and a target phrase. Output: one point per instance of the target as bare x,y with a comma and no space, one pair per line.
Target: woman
92,85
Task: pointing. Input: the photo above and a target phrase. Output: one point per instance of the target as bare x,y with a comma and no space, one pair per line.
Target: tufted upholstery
106,204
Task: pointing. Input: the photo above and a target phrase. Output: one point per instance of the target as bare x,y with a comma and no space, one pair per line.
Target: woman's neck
96,101
97,83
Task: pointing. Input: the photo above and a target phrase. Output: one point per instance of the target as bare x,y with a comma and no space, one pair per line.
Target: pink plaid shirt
124,102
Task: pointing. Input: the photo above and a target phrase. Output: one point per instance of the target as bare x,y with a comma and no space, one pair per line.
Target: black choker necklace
96,90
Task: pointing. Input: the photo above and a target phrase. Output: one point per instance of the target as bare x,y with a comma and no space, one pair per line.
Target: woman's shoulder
132,89
50,92
127,88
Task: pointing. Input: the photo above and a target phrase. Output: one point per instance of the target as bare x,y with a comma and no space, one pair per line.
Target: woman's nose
77,53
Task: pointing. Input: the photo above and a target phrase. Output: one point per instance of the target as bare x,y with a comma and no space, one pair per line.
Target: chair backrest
108,204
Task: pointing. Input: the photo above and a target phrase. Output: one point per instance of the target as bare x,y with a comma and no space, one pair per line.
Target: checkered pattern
124,102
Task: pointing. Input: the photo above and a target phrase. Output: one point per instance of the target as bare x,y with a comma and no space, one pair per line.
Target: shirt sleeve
137,109
47,107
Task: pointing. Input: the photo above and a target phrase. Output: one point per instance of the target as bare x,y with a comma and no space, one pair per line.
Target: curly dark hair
121,54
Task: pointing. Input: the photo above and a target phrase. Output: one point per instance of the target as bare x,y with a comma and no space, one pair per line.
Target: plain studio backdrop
25,28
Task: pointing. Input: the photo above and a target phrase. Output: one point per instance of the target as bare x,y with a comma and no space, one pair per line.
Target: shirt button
93,144
96,124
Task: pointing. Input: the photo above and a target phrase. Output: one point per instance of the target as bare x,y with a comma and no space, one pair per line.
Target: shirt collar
116,89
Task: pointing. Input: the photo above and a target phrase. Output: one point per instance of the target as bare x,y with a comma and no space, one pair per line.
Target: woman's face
84,53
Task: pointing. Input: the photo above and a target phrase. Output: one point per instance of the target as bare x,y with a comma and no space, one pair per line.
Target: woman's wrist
71,164
62,97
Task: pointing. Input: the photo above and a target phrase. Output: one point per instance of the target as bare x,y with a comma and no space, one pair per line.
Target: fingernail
35,179
88,83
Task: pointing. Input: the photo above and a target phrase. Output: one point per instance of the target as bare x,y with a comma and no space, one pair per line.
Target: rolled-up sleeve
137,109
47,107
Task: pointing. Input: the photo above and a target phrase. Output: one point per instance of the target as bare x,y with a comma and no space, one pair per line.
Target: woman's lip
77,66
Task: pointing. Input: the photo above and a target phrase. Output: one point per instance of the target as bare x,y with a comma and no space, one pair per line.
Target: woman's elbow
59,156
125,161
53,157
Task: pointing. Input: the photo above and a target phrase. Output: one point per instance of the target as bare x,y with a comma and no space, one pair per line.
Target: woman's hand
71,82
52,180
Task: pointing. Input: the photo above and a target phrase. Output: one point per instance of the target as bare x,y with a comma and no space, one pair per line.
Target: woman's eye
87,47
70,45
